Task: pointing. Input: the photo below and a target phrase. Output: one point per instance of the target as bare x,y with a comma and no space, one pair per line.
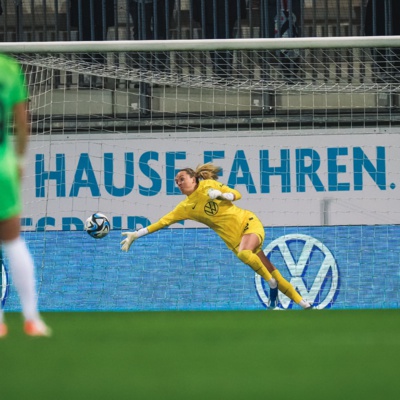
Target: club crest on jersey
211,208
311,266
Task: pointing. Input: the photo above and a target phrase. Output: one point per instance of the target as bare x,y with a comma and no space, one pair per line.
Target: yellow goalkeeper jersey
226,219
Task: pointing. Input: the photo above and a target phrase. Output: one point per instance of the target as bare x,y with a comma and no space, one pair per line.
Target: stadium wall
329,204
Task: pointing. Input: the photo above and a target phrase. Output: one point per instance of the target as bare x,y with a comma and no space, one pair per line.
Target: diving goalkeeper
211,203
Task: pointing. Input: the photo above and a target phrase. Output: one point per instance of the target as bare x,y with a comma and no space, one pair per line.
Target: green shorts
10,191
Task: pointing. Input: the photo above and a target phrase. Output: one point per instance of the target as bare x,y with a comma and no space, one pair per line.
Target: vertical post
268,13
19,20
56,21
45,33
68,27
324,211
80,24
92,32
33,23
128,20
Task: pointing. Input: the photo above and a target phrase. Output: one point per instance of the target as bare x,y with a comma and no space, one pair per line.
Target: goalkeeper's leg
246,254
283,285
249,244
251,259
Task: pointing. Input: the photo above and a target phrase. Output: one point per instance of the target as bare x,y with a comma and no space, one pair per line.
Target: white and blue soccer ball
97,226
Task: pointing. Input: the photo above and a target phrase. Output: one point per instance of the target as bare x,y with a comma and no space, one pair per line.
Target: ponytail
204,171
207,171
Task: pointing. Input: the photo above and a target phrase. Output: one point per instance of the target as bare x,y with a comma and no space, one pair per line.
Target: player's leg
283,285
3,326
22,272
249,243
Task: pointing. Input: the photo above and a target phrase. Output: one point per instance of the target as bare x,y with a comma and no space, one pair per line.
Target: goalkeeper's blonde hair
204,171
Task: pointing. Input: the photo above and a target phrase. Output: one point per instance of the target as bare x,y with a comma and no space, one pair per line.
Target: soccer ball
97,226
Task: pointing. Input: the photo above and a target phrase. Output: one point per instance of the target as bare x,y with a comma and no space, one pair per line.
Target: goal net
306,129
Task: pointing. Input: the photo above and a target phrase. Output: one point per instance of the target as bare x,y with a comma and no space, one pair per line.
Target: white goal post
202,44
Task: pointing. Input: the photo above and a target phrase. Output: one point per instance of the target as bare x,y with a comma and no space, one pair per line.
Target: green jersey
12,92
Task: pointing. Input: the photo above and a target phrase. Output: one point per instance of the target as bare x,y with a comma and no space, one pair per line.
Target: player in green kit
211,203
13,108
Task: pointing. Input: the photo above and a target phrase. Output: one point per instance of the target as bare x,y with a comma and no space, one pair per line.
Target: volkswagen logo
211,208
311,267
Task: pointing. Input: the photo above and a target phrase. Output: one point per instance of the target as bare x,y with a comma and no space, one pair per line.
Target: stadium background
367,198
238,350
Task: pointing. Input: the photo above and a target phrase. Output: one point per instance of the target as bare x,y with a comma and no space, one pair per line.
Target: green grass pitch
328,354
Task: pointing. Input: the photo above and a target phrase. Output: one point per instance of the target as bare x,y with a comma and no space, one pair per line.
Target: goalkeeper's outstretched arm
173,216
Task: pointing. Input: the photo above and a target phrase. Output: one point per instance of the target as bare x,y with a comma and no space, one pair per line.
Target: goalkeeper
211,203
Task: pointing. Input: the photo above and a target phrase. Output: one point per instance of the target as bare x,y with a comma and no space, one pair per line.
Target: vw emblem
211,208
311,266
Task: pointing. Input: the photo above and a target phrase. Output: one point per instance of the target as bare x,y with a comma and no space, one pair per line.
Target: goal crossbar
201,44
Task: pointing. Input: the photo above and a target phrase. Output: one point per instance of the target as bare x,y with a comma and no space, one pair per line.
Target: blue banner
191,269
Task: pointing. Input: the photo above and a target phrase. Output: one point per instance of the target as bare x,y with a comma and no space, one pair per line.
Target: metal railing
52,20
